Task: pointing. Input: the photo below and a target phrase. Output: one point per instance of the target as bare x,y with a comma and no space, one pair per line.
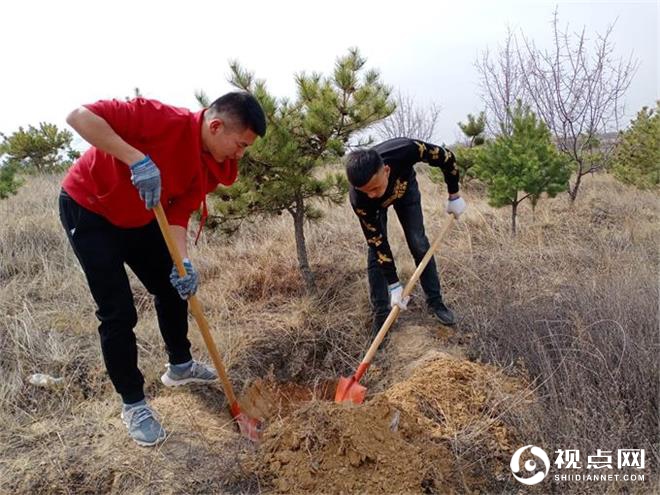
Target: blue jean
409,211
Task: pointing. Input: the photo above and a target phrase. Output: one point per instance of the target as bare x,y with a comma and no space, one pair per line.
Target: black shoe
443,314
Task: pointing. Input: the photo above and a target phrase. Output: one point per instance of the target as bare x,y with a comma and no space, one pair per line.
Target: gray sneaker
143,427
190,372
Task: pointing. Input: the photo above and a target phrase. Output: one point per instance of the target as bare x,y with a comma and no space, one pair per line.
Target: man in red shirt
145,152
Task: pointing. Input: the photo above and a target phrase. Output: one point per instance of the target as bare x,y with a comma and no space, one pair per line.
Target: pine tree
9,184
41,149
474,129
466,156
283,172
466,153
524,162
637,156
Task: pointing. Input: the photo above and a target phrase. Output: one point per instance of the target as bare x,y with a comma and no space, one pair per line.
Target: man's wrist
393,286
140,159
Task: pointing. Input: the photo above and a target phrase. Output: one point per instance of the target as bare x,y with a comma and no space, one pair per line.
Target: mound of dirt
465,405
450,396
338,448
440,430
413,346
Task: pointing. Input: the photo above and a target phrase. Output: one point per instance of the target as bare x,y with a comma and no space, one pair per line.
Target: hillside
556,345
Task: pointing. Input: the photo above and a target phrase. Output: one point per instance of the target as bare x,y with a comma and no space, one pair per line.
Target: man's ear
216,125
386,168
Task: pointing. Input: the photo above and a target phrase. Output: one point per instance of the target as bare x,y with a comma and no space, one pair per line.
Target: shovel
249,427
349,389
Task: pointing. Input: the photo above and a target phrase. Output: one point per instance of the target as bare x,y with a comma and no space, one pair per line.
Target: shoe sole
142,443
152,444
445,323
168,382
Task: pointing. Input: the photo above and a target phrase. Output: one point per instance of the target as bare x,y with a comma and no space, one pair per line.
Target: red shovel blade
349,390
250,428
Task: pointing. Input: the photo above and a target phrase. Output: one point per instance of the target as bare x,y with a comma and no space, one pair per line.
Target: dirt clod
333,448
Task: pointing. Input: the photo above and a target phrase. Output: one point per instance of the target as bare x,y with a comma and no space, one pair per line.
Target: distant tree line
545,111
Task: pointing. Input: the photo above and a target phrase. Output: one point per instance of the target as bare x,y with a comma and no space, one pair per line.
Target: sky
59,55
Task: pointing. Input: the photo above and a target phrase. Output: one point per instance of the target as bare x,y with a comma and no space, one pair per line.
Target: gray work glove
186,286
145,176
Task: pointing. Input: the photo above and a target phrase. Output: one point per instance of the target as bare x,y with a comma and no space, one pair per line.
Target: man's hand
456,206
396,294
145,176
186,286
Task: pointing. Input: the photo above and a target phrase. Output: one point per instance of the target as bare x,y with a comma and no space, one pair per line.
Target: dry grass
571,304
575,303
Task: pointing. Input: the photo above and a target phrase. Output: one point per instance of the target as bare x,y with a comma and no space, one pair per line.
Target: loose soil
418,435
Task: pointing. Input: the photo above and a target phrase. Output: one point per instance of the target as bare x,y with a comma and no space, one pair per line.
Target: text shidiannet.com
602,461
599,477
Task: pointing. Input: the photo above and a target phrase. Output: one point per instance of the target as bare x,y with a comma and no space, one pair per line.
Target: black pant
409,210
102,250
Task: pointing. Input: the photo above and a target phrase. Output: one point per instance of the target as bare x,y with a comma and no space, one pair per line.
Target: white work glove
396,294
456,206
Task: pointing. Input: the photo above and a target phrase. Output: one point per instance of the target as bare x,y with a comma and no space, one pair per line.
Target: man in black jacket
384,176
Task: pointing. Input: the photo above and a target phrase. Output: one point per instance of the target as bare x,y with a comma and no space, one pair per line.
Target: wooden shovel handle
394,312
195,306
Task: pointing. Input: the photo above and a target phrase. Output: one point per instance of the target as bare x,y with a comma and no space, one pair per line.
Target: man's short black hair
243,109
362,165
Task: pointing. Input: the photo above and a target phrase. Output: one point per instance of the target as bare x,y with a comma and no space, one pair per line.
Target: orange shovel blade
349,390
250,428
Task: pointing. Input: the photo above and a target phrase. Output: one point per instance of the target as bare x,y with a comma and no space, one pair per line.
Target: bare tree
410,120
577,92
500,79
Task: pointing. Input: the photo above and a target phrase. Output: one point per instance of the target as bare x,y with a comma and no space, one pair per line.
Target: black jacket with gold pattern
400,154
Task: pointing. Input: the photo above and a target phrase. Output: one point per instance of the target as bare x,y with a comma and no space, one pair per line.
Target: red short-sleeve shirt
172,137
